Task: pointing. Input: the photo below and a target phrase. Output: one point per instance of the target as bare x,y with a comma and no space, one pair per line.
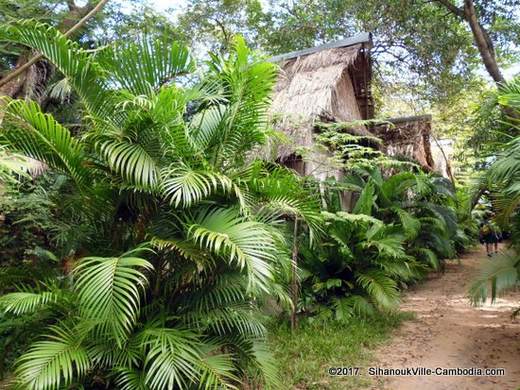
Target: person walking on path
489,235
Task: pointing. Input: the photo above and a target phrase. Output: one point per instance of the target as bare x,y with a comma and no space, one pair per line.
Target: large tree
429,42
489,21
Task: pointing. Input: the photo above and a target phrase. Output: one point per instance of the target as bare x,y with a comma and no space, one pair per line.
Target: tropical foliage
169,227
402,223
146,250
501,184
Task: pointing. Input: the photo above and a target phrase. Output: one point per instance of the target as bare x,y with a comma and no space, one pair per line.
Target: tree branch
38,57
72,6
452,8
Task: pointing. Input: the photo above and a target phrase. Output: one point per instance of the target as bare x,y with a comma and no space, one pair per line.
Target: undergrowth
305,355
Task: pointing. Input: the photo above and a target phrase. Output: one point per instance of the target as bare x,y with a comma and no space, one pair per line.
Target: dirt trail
449,332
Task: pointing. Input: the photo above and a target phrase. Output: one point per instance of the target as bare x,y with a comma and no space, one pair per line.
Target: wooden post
294,282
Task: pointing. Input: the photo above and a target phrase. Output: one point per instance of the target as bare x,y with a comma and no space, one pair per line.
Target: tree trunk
483,43
480,36
449,172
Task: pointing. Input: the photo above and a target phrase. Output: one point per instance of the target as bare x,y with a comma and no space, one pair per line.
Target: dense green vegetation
147,242
172,237
500,185
160,187
400,227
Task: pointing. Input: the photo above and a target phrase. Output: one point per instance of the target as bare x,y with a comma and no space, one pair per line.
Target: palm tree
184,235
503,272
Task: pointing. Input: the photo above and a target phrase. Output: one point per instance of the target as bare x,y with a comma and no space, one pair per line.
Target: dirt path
448,332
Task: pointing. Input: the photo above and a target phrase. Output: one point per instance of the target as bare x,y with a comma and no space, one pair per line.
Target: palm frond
184,247
184,186
410,224
226,290
275,208
247,85
205,126
248,244
27,302
262,370
235,318
144,65
366,200
355,305
397,184
500,274
76,64
54,362
428,256
108,292
386,243
380,288
41,137
218,369
131,161
131,379
173,357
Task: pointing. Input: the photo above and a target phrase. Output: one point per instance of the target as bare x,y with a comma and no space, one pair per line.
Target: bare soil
449,332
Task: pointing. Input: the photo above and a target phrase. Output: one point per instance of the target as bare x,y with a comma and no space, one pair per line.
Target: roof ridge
364,37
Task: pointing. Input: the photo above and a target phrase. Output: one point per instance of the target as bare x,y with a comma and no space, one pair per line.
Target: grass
305,355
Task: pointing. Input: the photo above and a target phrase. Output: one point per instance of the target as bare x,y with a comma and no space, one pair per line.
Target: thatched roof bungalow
326,83
408,137
332,83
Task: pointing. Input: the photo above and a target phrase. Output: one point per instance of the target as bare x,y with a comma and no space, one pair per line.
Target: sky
158,5
165,4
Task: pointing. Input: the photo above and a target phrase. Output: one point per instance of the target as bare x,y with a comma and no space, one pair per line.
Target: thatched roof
325,83
408,137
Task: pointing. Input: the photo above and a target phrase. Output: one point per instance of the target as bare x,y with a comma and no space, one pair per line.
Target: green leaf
248,244
54,362
366,200
380,288
411,225
184,186
76,64
501,273
27,302
108,292
131,161
42,138
355,305
143,65
173,358
397,184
